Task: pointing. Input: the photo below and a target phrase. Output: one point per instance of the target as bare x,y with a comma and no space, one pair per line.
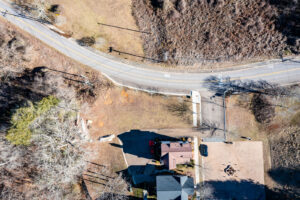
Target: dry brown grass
240,120
118,110
81,18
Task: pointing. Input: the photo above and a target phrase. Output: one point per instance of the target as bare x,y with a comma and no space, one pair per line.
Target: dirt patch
188,32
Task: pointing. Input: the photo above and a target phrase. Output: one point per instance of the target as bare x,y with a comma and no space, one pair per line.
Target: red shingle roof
176,147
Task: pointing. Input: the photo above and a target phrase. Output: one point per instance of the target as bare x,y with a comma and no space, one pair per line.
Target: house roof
176,147
174,187
173,153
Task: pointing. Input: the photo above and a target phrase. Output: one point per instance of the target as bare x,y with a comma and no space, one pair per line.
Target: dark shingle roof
174,187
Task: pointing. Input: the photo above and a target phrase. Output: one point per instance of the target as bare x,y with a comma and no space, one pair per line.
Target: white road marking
167,75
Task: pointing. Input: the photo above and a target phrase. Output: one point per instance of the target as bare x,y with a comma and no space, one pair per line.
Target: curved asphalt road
146,79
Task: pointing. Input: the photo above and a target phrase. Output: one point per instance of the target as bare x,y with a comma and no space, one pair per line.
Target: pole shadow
134,55
128,29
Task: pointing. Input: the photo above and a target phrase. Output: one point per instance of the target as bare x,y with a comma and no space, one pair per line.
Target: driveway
212,116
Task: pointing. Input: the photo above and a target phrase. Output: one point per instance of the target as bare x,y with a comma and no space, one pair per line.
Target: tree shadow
140,174
221,85
157,3
286,177
244,189
232,190
92,181
180,109
98,174
22,15
144,176
288,21
136,142
16,89
99,165
96,177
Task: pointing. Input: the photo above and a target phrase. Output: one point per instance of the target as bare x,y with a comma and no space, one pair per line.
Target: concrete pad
245,157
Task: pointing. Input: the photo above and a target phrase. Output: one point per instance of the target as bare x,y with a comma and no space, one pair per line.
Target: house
174,187
173,153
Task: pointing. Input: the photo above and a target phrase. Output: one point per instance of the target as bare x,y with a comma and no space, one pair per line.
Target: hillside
186,32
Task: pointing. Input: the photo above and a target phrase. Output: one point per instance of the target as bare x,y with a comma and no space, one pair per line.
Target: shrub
262,109
296,119
86,41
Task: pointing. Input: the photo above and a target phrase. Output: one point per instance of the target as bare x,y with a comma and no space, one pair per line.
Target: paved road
149,79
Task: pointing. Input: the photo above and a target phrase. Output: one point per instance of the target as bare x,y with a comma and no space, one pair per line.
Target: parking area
213,115
233,169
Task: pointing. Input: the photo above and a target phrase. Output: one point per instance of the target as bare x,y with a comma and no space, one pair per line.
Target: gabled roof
174,187
173,153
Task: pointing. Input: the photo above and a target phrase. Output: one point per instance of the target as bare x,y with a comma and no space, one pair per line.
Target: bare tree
10,194
37,9
54,159
59,154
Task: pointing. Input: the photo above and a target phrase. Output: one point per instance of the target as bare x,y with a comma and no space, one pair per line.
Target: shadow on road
220,85
43,21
